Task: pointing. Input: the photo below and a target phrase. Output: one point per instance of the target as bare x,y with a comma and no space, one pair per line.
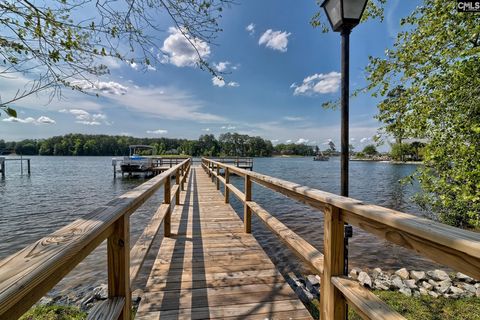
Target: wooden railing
456,248
242,162
30,273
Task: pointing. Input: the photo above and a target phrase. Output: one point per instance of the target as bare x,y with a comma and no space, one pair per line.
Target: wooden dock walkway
209,265
210,268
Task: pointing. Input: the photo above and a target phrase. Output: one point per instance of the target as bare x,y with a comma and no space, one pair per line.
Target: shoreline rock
434,283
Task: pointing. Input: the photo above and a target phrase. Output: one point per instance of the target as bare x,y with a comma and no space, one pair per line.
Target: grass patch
422,308
54,313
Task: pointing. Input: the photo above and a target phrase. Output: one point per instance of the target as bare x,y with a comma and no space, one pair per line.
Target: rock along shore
434,283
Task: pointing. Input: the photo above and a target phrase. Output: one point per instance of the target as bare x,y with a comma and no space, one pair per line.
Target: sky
278,70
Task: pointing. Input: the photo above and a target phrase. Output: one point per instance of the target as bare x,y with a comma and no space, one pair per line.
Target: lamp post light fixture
343,16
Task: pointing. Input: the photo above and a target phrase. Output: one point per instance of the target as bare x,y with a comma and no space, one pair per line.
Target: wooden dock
210,268
209,265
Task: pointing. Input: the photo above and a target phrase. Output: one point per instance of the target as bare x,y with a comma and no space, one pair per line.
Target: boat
135,162
321,157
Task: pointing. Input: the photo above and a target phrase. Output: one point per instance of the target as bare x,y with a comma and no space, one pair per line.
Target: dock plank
211,269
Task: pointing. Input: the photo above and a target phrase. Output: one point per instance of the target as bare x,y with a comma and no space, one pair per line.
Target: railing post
177,182
166,200
332,303
247,212
227,181
118,251
182,183
218,180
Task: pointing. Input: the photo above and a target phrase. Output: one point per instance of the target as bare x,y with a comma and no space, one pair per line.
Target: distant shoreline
389,161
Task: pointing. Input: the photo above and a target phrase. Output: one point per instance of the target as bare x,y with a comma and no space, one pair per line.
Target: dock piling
2,166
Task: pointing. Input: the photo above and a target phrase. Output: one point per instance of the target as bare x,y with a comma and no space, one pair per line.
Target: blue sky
279,71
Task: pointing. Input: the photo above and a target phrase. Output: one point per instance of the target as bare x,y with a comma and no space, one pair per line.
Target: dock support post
247,212
118,251
2,166
332,304
217,178
166,200
182,186
177,182
227,181
114,164
28,166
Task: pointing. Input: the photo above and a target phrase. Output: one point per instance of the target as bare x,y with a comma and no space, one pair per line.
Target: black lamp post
343,16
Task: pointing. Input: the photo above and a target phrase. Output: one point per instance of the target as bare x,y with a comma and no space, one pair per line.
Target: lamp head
344,14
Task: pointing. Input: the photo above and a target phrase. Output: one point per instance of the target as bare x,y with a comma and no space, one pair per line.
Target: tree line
227,144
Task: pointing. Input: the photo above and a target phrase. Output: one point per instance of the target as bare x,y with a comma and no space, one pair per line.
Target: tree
370,150
52,44
437,60
398,151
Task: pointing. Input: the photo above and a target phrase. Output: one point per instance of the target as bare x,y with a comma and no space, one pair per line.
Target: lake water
62,189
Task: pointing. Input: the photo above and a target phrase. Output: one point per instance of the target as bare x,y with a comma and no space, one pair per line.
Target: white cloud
158,131
221,66
289,118
30,120
45,119
276,40
251,29
86,118
363,140
110,87
218,82
288,141
302,141
206,129
318,83
229,127
179,51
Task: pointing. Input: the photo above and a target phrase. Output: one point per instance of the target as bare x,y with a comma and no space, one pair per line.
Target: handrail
456,248
30,273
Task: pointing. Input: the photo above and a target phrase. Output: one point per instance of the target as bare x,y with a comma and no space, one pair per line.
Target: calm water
61,189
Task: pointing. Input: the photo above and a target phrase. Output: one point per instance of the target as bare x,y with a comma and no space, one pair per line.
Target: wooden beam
236,192
108,309
365,303
247,212
118,251
140,250
227,181
332,302
297,244
177,183
166,200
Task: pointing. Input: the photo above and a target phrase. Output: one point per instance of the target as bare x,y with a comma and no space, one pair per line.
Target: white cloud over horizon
275,40
158,131
318,83
30,120
178,50
86,118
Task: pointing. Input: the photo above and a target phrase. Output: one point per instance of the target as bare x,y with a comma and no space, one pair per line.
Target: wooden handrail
454,247
30,273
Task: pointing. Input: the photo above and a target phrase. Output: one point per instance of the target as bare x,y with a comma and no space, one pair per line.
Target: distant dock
152,166
3,164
